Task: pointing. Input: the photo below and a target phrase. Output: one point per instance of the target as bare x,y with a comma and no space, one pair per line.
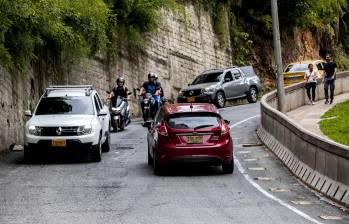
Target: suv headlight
33,130
180,94
85,130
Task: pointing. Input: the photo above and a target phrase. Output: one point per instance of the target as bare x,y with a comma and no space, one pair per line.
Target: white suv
68,118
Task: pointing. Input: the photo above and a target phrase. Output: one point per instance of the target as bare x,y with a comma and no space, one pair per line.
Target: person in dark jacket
329,78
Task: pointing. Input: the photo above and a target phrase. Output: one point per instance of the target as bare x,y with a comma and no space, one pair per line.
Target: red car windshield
194,121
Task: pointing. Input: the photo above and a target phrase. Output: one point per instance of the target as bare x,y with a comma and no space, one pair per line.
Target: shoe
309,103
312,102
326,102
331,101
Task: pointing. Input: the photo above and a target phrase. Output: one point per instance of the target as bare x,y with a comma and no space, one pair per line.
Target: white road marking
243,121
260,189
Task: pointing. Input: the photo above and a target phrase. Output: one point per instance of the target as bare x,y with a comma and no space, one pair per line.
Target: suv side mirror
227,80
227,122
103,112
28,113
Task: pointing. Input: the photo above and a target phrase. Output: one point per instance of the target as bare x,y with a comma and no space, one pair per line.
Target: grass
336,123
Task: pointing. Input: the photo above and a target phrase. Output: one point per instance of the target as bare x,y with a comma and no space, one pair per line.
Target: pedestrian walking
329,78
310,77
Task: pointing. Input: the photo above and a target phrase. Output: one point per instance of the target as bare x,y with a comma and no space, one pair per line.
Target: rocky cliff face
181,49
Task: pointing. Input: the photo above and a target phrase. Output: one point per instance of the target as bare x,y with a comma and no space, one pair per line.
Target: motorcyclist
119,90
154,88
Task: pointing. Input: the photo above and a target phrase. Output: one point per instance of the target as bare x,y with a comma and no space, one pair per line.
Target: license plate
191,99
194,139
59,143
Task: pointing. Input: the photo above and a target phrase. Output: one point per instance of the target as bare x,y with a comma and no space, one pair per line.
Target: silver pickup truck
218,86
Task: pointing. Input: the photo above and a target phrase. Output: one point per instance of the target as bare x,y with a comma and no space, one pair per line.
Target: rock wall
183,47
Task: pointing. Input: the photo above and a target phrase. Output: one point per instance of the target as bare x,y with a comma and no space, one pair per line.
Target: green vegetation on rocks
335,123
73,29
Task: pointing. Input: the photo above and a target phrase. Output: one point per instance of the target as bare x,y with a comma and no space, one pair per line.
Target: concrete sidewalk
309,115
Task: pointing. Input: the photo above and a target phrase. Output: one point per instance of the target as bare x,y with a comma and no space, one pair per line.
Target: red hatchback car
190,133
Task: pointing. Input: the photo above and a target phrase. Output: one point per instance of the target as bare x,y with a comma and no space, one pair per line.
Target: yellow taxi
294,72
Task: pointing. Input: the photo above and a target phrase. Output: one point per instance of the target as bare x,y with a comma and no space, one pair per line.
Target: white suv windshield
207,78
65,105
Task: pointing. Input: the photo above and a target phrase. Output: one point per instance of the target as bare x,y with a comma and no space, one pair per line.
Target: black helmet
152,75
120,79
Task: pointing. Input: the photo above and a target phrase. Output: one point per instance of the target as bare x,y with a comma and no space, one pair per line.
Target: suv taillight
163,130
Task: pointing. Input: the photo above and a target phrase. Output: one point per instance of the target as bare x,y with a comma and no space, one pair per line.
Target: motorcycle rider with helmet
154,88
120,90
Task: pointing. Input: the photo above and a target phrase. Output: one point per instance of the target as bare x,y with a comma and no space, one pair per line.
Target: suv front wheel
220,100
96,154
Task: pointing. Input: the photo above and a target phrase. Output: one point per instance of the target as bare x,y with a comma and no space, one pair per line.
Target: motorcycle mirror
138,89
129,93
107,92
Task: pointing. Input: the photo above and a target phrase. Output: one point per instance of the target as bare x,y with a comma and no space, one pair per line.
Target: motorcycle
148,102
120,113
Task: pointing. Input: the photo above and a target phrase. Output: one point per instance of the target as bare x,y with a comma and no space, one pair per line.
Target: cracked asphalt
67,188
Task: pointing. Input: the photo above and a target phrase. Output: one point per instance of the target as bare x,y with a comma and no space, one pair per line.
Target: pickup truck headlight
207,90
34,130
85,130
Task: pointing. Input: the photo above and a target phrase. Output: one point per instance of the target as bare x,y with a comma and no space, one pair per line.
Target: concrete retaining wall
318,162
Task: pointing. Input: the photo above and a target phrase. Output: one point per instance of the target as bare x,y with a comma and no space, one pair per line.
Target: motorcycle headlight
33,130
85,130
117,110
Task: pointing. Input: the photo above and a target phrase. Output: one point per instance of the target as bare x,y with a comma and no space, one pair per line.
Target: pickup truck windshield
65,105
207,78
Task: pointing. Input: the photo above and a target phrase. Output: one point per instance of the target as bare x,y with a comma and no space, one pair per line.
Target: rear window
65,105
192,121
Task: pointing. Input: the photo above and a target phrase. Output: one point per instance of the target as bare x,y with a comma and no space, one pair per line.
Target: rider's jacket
151,87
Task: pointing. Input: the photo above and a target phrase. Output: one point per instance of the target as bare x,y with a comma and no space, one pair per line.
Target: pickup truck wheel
220,100
252,95
96,154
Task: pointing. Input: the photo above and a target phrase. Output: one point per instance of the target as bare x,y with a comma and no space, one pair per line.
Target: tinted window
209,77
191,121
227,76
65,105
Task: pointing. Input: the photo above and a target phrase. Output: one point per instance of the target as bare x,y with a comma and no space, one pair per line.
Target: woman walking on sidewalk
310,77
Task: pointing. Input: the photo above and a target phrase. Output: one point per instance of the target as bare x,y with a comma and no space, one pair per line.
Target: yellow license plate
59,143
191,99
194,139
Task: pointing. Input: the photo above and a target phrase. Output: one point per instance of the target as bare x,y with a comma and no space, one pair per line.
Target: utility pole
278,58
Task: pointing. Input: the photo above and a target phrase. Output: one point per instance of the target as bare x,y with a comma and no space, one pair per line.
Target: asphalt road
123,189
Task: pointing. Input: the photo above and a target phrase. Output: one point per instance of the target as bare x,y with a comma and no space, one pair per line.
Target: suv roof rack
71,87
87,88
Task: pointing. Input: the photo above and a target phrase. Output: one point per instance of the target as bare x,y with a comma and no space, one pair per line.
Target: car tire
158,170
252,95
28,155
228,168
106,144
96,154
220,100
